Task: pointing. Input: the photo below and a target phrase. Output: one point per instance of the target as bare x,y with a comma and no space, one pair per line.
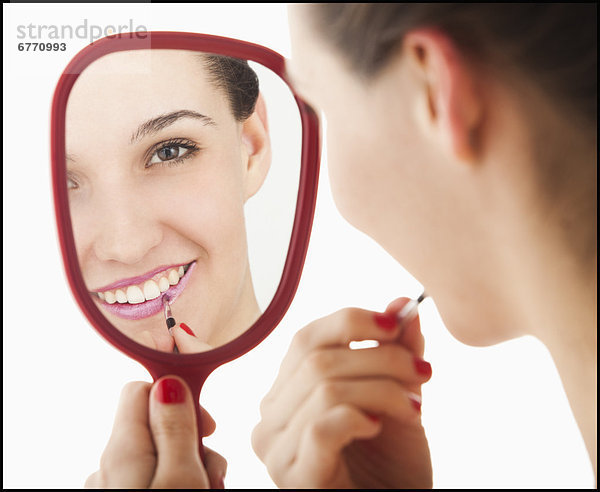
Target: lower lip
149,308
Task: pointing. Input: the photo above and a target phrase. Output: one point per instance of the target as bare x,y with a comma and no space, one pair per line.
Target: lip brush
169,319
410,309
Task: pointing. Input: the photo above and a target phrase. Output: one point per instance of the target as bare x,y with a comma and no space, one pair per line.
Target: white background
495,417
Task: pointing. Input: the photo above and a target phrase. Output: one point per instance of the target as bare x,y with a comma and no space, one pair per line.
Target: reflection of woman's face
158,177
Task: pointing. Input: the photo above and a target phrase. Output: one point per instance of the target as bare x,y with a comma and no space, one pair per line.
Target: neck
559,304
552,291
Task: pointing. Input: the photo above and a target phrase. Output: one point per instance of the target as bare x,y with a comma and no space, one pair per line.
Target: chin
472,328
472,338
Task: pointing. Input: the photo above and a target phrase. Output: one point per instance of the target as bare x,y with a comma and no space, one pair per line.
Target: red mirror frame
193,368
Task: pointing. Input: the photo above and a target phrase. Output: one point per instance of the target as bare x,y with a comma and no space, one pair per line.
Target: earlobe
451,107
256,145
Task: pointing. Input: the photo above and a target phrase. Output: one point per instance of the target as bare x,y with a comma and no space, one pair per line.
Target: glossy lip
148,308
126,282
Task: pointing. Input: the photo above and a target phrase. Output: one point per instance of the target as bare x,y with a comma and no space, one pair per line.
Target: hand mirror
184,171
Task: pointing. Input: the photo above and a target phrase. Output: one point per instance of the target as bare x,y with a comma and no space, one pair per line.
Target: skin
189,211
439,147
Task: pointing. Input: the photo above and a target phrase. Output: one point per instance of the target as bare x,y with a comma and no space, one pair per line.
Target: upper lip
137,280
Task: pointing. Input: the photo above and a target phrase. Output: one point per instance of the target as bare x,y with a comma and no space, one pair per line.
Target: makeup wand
169,319
410,309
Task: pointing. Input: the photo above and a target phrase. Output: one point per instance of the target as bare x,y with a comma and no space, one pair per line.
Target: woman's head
462,138
164,147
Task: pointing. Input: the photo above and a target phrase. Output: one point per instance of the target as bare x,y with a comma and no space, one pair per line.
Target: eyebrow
160,122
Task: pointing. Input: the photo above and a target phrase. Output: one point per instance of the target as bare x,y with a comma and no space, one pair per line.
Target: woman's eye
168,153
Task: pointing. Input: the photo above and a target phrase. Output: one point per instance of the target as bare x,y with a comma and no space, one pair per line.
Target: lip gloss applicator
410,309
169,319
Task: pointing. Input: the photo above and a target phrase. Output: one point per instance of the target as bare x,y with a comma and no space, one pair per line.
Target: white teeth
163,284
151,290
135,295
173,277
121,297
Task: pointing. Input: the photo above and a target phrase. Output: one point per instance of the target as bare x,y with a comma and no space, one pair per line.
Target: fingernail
415,400
170,390
187,329
385,321
422,367
372,417
222,482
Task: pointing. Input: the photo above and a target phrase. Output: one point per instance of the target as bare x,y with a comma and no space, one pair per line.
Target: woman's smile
140,297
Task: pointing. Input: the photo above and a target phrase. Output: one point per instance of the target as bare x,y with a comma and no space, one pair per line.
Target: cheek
209,220
346,174
88,223
207,207
361,175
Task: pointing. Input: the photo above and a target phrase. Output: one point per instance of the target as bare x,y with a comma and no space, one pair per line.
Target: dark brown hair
237,80
553,43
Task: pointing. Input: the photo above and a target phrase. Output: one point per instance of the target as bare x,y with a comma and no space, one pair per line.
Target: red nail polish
385,321
374,418
187,329
422,367
170,390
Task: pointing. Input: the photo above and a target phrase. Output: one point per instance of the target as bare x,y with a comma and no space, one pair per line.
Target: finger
322,442
325,437
216,468
174,429
337,329
390,361
410,335
208,423
186,340
377,397
129,458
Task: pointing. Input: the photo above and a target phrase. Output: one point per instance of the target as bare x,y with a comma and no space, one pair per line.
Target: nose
127,226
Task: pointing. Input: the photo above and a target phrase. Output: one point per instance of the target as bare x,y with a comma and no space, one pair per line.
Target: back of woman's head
553,47
554,44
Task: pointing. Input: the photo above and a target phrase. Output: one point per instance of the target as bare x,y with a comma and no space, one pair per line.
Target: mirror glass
182,173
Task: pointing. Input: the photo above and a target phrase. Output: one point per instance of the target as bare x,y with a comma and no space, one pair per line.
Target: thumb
175,434
410,336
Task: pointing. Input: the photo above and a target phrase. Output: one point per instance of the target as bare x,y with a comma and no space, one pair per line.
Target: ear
449,105
256,148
